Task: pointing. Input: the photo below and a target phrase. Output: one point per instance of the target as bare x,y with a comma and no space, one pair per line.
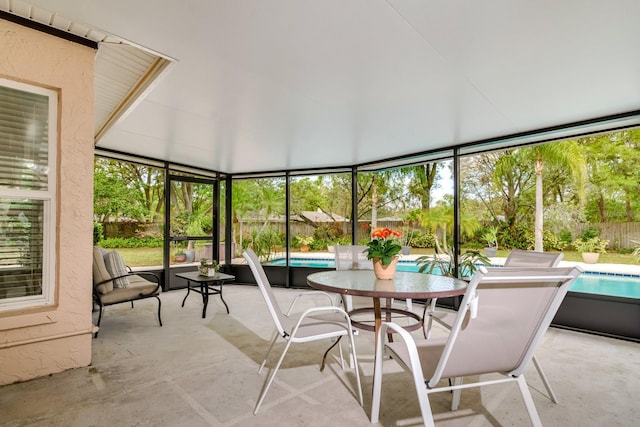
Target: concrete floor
203,372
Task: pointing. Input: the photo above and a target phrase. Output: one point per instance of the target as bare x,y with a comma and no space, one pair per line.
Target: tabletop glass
403,285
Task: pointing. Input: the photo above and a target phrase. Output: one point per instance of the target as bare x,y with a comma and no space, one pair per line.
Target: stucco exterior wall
35,343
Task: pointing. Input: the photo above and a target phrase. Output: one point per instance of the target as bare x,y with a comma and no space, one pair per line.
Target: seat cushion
116,267
137,287
100,272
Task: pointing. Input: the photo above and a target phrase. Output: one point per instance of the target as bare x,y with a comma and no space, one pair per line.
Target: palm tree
565,154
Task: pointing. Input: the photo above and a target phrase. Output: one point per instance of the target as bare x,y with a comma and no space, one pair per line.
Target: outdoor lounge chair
502,319
115,283
516,258
313,324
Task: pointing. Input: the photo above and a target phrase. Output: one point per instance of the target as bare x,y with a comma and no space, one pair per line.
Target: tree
124,189
423,180
613,165
567,154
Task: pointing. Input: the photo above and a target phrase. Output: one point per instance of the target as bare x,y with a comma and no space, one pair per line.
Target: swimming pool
626,286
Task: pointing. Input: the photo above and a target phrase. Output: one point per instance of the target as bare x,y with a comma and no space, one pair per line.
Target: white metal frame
304,328
516,258
457,358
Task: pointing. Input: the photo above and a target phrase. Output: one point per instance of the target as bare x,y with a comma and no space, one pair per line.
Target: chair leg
98,324
271,377
455,398
324,357
273,341
545,381
159,307
425,406
528,401
354,360
377,383
429,306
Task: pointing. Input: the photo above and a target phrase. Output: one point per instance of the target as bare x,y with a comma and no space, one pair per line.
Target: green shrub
263,242
344,240
565,237
426,240
519,237
625,251
319,244
131,242
589,233
551,242
98,233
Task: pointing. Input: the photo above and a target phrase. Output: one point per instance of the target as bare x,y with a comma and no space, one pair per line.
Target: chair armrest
328,308
305,294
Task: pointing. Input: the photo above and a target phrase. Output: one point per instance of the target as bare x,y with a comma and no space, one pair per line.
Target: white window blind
28,118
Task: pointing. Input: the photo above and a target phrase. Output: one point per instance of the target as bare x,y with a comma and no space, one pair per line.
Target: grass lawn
141,257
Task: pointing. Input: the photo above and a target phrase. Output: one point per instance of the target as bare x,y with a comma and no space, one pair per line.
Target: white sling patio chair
352,257
502,319
516,258
313,324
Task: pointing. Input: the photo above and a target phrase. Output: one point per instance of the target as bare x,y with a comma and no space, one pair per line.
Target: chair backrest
352,257
265,288
520,258
504,315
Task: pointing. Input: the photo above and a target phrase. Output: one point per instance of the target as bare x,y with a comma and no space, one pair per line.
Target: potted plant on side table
207,268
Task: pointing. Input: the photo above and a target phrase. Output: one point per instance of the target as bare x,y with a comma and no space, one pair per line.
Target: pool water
627,286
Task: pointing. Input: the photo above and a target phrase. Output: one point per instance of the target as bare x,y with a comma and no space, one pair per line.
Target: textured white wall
35,343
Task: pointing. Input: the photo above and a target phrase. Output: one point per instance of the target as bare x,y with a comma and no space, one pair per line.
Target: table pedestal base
361,324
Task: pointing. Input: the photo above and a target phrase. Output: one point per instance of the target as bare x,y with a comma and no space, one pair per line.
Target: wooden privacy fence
619,234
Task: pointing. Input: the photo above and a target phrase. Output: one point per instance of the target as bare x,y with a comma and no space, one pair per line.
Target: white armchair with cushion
115,283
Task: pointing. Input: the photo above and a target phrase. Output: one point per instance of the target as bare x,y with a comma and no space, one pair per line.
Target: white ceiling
261,85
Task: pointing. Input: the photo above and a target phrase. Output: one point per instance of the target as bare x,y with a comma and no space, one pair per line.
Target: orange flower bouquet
384,244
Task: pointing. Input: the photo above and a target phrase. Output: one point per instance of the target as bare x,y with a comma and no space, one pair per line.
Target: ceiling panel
289,84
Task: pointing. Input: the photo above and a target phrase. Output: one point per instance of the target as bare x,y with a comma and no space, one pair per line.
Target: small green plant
441,263
594,244
491,236
636,251
179,251
205,264
304,240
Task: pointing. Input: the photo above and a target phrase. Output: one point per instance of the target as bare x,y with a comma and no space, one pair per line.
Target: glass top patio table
404,284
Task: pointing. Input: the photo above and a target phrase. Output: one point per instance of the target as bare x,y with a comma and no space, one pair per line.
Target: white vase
590,257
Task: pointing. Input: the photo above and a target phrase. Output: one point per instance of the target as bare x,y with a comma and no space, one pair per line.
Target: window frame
48,197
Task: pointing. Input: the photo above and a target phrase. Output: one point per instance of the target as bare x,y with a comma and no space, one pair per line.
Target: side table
205,286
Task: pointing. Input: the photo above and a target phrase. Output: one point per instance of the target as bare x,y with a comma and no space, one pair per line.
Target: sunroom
295,121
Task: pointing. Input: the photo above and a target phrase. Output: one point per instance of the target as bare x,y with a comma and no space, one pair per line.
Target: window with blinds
28,117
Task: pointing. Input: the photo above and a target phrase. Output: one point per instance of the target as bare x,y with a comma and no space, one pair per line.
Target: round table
403,285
